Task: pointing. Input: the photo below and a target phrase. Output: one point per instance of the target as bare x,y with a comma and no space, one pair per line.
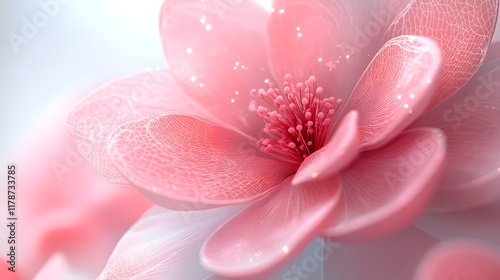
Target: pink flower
192,138
460,259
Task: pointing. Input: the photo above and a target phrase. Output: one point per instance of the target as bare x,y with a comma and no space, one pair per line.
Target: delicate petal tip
386,189
164,244
189,163
271,232
395,88
93,119
460,259
339,152
463,31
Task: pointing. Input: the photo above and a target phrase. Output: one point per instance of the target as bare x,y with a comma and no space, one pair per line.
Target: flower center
299,123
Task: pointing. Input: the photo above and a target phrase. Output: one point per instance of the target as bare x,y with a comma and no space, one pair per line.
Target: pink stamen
300,123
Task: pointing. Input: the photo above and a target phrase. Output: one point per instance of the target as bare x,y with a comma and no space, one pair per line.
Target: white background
83,45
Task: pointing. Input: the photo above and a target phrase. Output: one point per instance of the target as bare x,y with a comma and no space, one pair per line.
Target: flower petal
272,231
338,153
395,89
393,257
460,259
127,99
217,49
462,29
471,121
330,39
387,188
183,161
165,244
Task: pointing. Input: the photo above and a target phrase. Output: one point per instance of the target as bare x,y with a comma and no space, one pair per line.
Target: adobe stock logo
31,26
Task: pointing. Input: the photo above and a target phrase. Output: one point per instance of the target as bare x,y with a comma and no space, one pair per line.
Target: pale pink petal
340,150
462,29
395,89
217,51
471,121
493,52
479,223
460,259
330,39
165,244
184,162
123,100
385,189
56,267
272,231
393,257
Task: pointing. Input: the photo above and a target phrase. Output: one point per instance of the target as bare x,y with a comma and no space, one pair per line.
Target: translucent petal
184,162
385,189
395,89
272,231
165,244
462,29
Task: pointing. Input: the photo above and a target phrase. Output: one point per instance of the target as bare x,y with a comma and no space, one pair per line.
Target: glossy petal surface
339,152
385,189
392,257
462,29
272,231
471,121
132,98
182,162
332,40
395,89
460,259
164,244
217,49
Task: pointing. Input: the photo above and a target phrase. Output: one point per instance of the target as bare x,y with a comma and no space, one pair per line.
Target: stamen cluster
299,124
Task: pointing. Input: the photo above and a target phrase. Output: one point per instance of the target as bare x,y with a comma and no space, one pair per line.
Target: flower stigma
299,123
